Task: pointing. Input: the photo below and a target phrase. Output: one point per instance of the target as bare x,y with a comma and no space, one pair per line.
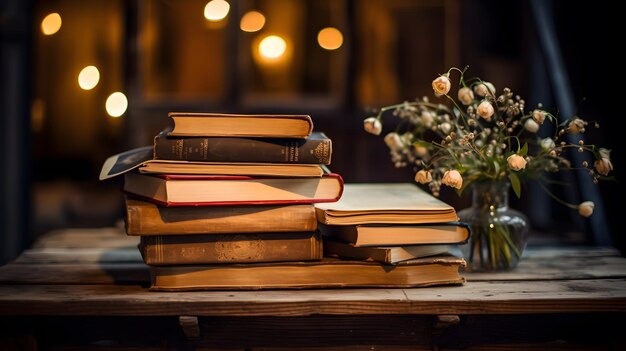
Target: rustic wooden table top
99,272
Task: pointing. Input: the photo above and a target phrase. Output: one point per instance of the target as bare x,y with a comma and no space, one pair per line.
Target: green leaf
515,183
524,150
496,166
421,143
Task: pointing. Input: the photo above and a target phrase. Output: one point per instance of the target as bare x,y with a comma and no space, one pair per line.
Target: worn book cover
230,248
392,203
384,254
240,125
198,190
328,273
146,218
315,149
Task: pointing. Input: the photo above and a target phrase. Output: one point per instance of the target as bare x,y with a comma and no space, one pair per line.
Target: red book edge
230,203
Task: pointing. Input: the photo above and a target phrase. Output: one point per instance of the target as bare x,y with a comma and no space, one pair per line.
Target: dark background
164,56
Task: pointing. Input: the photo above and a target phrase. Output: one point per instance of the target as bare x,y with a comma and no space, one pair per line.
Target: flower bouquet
486,140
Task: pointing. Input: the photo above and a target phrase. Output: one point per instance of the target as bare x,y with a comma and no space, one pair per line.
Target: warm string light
272,47
116,104
88,77
252,21
51,24
216,10
330,38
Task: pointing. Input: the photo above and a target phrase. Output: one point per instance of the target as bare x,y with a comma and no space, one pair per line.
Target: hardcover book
389,255
230,248
392,203
146,218
328,273
192,190
239,125
315,149
398,234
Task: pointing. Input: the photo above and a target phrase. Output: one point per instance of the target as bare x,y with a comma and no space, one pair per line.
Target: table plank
86,238
85,273
569,296
80,255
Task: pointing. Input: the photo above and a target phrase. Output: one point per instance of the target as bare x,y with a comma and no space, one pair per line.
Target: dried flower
547,143
393,141
485,110
484,88
423,177
531,126
441,85
516,162
603,165
452,178
585,209
576,126
539,116
372,125
466,96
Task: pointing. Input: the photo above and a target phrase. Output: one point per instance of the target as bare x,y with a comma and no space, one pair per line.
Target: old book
398,234
315,149
393,203
198,190
230,248
239,125
328,273
146,218
141,159
390,255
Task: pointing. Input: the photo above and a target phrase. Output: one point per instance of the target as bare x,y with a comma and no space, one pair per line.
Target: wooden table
87,289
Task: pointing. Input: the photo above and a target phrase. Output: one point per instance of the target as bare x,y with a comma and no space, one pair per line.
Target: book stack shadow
228,202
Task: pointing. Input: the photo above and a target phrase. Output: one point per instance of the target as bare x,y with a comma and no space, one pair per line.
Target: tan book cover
398,234
239,125
230,248
393,203
328,273
390,255
231,168
146,218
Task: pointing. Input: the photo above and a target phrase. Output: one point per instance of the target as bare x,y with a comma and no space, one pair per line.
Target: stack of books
227,202
390,223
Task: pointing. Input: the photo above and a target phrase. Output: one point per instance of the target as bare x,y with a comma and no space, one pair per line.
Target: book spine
144,218
305,151
234,248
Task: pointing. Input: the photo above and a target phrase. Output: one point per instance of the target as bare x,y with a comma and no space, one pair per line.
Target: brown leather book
146,218
315,149
230,248
328,273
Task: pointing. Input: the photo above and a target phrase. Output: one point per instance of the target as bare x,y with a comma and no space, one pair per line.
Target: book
389,255
315,149
327,273
239,125
141,159
393,203
210,190
230,248
146,218
398,234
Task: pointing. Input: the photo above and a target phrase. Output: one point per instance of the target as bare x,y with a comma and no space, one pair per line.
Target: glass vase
499,233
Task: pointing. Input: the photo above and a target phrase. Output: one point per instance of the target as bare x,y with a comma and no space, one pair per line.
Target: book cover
315,149
196,190
146,218
389,255
398,234
393,203
230,248
327,273
240,125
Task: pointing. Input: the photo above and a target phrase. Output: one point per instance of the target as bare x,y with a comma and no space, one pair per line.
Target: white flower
604,165
547,143
452,178
585,209
441,85
393,141
485,110
539,116
465,95
423,177
484,88
427,118
420,150
531,126
372,125
445,127
516,162
576,126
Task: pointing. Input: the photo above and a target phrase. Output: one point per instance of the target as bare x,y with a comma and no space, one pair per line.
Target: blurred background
83,80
